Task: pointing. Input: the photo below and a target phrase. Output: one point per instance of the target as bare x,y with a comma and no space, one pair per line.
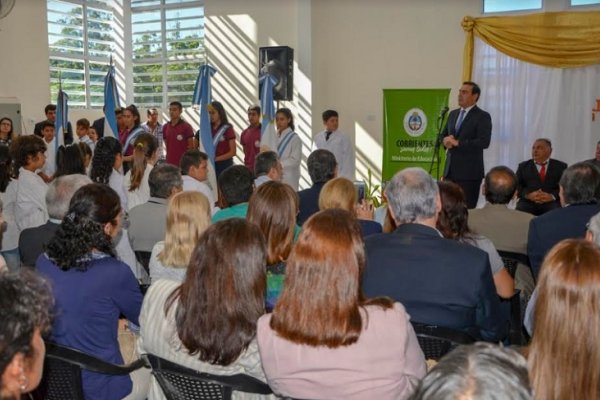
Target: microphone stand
435,157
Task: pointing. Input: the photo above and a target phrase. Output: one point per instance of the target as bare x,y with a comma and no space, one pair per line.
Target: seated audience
3,266
579,195
236,185
144,157
439,281
25,306
538,180
7,135
208,322
91,287
267,167
341,193
30,200
194,171
564,354
69,160
33,241
452,223
592,234
148,221
322,167
188,216
324,339
273,208
8,195
481,371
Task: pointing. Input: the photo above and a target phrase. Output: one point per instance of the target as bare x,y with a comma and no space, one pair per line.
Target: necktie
327,134
543,172
461,116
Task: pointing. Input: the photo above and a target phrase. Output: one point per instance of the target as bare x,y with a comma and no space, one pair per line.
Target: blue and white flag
268,132
62,118
111,101
203,96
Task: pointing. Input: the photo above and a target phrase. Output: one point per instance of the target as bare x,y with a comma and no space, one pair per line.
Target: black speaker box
279,62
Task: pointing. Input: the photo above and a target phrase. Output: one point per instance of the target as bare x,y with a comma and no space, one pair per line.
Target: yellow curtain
553,39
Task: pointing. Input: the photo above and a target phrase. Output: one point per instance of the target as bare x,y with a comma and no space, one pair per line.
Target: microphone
443,112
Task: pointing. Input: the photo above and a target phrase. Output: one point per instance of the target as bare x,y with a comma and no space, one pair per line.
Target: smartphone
360,190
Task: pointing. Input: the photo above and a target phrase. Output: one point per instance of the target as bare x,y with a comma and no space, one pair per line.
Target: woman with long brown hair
145,155
325,339
564,355
208,322
273,208
453,224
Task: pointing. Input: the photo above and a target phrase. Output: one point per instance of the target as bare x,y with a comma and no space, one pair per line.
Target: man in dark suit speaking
467,133
439,281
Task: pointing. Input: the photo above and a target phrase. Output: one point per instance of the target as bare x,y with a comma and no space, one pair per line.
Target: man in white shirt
336,142
49,168
194,171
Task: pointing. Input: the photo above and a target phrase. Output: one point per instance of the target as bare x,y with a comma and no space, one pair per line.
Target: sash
132,136
220,134
285,142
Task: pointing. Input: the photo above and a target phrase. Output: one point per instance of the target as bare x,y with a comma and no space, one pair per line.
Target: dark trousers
221,166
471,190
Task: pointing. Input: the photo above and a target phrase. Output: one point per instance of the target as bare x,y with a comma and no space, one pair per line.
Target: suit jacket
309,202
465,162
68,135
528,178
547,230
33,240
439,281
506,228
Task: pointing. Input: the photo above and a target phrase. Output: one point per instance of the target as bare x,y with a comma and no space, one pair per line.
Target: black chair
62,372
512,260
181,383
143,257
436,341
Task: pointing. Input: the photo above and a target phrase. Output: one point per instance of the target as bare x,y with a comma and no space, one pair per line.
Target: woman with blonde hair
341,193
324,339
564,355
188,216
145,155
273,208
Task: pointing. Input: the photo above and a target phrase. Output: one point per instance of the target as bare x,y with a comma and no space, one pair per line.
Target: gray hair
581,184
60,192
594,227
482,371
163,178
412,194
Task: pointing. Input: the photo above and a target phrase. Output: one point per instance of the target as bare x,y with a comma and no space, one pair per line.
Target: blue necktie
461,116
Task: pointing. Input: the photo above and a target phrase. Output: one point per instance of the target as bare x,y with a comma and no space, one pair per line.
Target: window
80,40
584,2
167,49
494,6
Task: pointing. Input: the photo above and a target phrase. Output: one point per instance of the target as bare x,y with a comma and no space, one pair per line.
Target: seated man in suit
50,111
33,240
596,160
537,180
148,221
579,195
439,281
322,167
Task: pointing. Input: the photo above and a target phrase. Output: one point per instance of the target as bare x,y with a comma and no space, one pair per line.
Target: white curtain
527,101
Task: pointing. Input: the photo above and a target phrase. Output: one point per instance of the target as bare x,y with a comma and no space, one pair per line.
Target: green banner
411,122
